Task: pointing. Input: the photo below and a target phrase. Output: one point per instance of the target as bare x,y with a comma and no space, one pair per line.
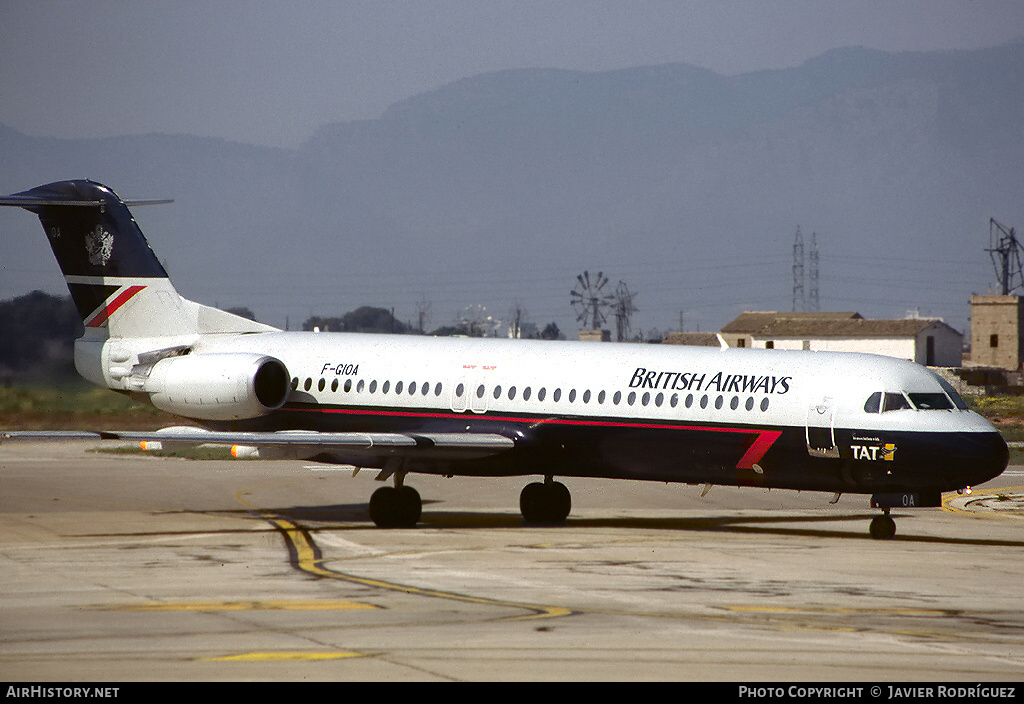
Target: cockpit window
931,401
951,392
874,403
894,402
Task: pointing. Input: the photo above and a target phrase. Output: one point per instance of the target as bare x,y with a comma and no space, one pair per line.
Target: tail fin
117,283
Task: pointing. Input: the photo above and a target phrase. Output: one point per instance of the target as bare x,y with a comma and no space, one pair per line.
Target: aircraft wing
353,448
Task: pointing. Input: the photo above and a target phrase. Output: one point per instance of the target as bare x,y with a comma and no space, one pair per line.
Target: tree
551,332
38,330
241,312
449,331
363,319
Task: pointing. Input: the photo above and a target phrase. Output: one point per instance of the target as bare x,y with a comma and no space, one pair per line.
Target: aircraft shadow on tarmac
357,517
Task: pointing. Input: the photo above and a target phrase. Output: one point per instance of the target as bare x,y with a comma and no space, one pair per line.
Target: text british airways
700,381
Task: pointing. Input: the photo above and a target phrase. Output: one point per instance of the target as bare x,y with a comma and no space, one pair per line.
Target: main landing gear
396,506
545,504
883,527
400,506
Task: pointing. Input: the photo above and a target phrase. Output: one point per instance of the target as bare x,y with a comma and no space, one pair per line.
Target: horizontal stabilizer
22,201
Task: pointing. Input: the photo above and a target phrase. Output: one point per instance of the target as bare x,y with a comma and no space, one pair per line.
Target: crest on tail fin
100,245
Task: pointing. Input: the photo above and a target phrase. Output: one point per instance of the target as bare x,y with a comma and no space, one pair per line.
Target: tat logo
885,452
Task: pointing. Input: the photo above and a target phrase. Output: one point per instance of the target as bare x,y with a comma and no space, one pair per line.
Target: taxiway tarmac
121,567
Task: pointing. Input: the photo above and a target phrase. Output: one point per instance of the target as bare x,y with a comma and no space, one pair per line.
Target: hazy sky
271,72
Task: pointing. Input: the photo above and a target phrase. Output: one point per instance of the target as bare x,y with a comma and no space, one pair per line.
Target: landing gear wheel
545,504
883,527
396,507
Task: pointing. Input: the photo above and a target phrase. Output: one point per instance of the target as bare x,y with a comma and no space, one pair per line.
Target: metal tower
1005,251
813,299
624,308
799,301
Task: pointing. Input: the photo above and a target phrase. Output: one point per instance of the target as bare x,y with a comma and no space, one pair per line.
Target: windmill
589,301
624,307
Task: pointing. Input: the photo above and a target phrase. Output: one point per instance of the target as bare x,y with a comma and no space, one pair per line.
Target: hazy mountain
504,186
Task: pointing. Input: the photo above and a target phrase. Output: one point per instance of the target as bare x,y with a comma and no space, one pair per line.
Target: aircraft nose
986,457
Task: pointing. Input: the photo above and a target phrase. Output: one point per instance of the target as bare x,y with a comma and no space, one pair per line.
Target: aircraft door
469,394
478,397
821,436
460,395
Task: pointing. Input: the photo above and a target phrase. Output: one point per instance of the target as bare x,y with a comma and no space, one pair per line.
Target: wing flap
351,446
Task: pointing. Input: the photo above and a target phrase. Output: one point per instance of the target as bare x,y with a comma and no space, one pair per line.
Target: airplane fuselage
744,417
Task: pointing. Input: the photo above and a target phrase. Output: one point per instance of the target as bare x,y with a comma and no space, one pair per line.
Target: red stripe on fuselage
104,313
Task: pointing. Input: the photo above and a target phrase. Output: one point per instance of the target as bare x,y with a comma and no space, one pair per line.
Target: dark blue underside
672,452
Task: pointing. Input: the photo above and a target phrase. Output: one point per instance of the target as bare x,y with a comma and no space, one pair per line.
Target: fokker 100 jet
809,421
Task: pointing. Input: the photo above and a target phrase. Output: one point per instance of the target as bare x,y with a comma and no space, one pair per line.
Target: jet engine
219,386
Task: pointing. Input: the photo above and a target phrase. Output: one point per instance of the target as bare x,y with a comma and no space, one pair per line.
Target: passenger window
874,403
894,402
586,396
542,393
572,395
526,393
617,397
348,385
556,395
600,397
497,391
399,386
511,392
437,389
360,385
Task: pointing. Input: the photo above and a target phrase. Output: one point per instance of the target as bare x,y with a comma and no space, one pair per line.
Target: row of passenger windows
645,399
400,387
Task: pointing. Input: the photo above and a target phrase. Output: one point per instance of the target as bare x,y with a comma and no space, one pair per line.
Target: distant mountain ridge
519,179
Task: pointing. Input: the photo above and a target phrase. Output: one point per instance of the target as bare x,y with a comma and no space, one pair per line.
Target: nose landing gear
883,527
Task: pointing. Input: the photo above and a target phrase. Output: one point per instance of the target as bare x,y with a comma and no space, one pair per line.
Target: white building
926,341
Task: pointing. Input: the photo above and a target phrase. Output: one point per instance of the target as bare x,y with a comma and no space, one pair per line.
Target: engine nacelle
219,386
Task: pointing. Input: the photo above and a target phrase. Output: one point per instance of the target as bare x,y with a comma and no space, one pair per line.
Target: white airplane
810,421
